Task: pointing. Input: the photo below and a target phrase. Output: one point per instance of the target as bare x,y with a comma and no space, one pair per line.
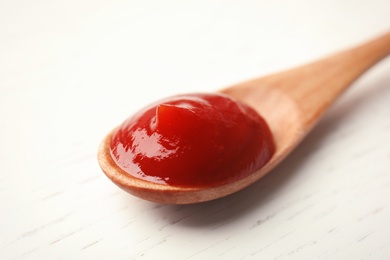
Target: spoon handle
316,85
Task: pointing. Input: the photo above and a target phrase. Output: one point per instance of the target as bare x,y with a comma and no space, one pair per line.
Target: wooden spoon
291,102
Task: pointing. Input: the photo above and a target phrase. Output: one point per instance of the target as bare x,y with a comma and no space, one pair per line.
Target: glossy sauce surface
193,140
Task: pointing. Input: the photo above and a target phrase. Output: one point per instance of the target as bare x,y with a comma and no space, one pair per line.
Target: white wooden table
72,70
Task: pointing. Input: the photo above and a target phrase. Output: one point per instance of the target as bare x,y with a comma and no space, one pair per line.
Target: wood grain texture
69,71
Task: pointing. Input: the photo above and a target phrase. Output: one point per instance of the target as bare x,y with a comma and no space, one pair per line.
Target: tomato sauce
193,140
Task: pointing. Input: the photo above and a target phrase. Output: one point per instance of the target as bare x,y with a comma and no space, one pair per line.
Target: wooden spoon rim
170,194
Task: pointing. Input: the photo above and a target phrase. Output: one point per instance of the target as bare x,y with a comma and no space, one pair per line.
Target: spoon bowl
291,102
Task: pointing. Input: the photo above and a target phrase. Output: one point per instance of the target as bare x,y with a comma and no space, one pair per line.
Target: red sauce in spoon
193,140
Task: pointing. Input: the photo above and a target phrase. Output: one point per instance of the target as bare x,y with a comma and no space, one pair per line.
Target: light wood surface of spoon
291,102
